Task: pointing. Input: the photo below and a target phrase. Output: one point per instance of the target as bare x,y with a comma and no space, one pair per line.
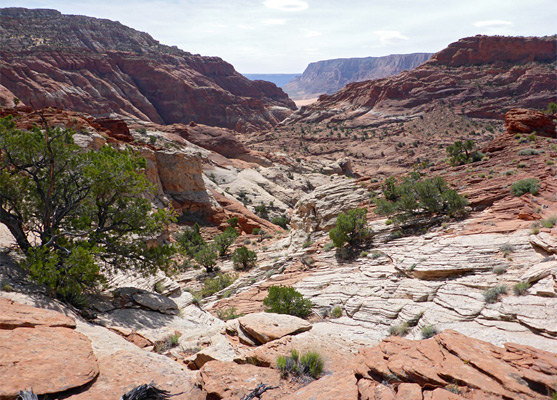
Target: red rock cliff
101,67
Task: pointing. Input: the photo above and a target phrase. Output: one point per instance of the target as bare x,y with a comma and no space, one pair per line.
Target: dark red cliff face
102,67
482,76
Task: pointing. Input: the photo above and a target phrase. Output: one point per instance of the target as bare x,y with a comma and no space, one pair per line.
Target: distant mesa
479,77
329,76
278,79
103,68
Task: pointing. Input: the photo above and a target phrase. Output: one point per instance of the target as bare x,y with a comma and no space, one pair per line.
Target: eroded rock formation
103,68
481,76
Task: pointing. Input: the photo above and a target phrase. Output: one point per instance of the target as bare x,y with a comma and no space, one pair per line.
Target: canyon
407,317
329,76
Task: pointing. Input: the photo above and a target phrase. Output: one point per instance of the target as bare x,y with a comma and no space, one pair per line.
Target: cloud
274,21
286,5
390,37
310,33
493,23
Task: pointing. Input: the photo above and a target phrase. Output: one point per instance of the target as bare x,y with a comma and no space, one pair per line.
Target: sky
284,36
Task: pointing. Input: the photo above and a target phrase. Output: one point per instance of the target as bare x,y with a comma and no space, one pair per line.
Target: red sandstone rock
102,67
228,380
39,349
338,386
117,128
482,76
521,120
481,369
14,315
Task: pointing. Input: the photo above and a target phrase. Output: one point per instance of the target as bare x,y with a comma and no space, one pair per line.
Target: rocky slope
102,68
329,76
481,76
436,278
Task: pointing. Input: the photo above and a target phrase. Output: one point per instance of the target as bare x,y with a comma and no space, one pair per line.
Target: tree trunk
16,229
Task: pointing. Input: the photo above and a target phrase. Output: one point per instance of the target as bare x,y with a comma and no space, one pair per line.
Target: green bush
336,312
351,228
528,152
530,185
233,221
287,300
244,259
415,196
310,364
261,210
206,256
463,153
225,240
281,221
549,222
399,330
328,246
521,288
216,284
191,240
428,331
227,314
492,295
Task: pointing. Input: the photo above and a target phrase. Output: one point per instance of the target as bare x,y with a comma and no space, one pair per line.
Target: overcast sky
283,36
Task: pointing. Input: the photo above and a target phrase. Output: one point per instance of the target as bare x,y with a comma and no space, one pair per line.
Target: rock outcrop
481,76
453,366
40,349
102,67
329,76
521,120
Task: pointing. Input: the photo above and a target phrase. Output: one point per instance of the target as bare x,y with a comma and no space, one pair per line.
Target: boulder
338,386
129,297
266,327
228,380
39,349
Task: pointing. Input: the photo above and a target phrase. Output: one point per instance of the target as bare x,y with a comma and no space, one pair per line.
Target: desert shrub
549,222
227,314
463,153
428,331
191,240
223,241
287,300
415,196
520,288
351,228
281,221
530,185
244,259
256,231
206,256
336,312
167,343
528,152
261,210
328,246
233,221
499,270
310,364
492,295
216,284
399,330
